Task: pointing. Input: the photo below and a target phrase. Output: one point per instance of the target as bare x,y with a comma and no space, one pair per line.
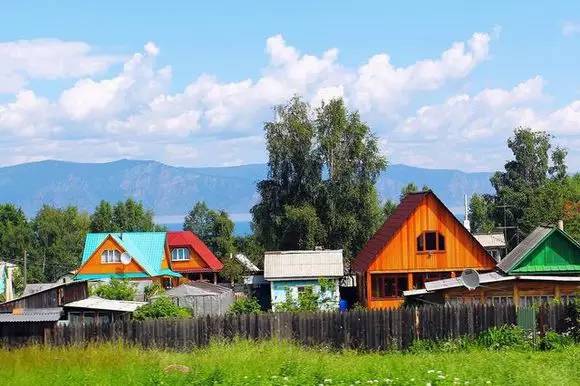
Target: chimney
466,223
561,225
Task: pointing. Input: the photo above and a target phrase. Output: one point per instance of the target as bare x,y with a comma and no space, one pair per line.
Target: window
430,241
495,300
180,254
388,286
419,279
111,256
527,301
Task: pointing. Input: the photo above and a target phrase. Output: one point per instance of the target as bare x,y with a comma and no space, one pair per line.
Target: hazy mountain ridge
170,190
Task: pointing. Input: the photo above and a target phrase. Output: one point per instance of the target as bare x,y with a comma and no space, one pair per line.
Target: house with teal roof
128,255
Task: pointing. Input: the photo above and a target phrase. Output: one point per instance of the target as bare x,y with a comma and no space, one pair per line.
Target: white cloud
132,114
570,28
476,127
23,60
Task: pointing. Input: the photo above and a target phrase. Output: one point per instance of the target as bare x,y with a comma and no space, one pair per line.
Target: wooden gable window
431,241
110,256
388,286
179,254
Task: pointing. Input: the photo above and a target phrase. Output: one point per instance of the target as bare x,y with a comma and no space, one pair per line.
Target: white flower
430,371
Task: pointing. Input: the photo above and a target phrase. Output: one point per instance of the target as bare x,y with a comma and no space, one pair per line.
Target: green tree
245,305
117,290
320,189
124,216
15,234
251,248
409,188
214,227
481,213
199,220
59,240
102,219
389,208
529,175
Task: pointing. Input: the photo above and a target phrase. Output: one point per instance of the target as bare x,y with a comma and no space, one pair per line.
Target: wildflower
441,376
488,382
430,371
328,380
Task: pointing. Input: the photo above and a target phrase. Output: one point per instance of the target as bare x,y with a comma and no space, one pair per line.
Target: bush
161,307
245,305
555,341
117,290
151,290
498,338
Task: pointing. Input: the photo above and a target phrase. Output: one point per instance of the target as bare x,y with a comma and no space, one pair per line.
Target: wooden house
291,272
544,266
420,242
148,258
191,257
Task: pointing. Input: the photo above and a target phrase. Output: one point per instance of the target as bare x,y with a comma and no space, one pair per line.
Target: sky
442,84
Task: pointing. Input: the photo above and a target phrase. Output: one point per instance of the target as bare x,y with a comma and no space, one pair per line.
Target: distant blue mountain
172,191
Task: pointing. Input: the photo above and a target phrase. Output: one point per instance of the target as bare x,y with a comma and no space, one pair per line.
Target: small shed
96,309
201,297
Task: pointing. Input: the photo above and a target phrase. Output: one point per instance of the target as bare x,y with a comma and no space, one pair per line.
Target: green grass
275,363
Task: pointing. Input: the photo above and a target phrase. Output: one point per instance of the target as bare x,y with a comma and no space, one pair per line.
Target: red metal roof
191,240
384,234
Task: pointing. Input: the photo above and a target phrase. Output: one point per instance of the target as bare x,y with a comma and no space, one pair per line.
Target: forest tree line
323,164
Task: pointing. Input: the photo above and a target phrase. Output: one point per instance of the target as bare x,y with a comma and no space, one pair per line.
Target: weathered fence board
367,330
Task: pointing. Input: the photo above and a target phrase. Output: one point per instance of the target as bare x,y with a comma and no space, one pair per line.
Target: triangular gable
191,240
94,241
396,221
545,251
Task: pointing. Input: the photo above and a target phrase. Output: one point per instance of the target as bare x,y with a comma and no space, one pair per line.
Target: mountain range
171,191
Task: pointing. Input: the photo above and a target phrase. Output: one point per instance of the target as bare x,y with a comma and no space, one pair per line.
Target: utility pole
25,267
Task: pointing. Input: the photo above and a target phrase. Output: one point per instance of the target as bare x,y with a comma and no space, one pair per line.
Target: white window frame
180,254
111,256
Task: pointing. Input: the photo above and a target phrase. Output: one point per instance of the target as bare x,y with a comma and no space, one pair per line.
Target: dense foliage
116,290
245,305
124,216
533,189
161,307
309,299
320,189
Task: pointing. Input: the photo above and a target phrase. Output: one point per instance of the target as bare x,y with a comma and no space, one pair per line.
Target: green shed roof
147,248
546,250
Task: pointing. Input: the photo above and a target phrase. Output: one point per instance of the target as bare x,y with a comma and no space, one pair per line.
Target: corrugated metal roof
489,277
247,263
31,289
522,249
196,288
147,248
97,303
489,240
32,315
191,240
303,264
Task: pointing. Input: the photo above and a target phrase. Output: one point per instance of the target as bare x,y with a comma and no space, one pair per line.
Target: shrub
498,338
555,341
245,305
151,290
161,307
116,290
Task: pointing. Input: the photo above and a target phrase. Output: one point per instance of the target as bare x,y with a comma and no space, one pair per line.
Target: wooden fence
365,330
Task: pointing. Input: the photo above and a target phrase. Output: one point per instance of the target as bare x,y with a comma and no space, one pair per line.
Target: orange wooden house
165,258
421,241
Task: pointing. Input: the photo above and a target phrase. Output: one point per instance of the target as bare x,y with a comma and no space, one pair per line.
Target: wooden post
516,294
214,278
410,280
557,291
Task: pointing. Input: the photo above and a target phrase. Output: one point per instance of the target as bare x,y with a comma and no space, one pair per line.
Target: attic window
111,256
430,241
180,254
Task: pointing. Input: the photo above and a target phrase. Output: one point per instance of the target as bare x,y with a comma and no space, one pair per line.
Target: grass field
274,363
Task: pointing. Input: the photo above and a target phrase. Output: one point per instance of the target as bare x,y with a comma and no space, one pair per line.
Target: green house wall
555,254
